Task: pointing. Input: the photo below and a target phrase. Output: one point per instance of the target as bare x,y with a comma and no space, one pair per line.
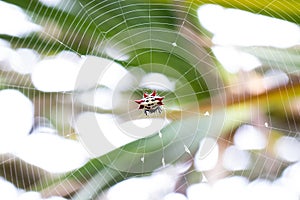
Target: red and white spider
151,103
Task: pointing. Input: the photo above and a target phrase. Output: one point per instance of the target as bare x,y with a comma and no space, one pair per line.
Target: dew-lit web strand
93,21
279,129
191,80
183,74
163,156
128,28
270,3
162,160
269,127
87,181
288,122
56,39
203,74
75,28
22,175
175,46
143,153
91,182
140,145
263,166
139,54
177,35
215,89
61,43
285,87
150,26
38,171
200,92
136,55
170,53
186,151
274,159
51,95
260,154
190,69
31,38
6,160
69,27
257,160
284,108
125,21
273,164
126,25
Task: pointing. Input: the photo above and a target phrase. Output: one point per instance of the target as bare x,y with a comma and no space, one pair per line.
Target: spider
151,103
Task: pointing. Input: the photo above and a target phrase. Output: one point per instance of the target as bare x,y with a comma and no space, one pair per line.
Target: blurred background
70,71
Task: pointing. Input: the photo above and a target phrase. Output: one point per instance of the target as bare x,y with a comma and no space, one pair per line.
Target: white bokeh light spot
242,28
234,60
203,190
275,78
14,21
206,157
7,190
51,152
5,55
16,118
56,74
288,148
248,137
23,60
175,196
50,3
230,187
236,159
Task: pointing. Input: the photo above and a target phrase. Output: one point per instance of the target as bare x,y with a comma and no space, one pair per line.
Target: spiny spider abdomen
150,103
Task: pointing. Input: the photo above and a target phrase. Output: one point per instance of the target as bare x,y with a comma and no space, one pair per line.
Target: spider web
63,100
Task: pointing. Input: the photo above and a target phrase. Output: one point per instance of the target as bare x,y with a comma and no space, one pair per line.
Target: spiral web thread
64,97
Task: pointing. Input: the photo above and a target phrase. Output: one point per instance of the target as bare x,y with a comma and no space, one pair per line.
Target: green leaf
149,33
124,162
73,30
82,25
171,53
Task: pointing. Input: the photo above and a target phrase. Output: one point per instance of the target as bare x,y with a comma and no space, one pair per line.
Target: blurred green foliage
86,27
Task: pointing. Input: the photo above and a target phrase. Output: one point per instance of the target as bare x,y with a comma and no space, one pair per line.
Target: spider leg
159,109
